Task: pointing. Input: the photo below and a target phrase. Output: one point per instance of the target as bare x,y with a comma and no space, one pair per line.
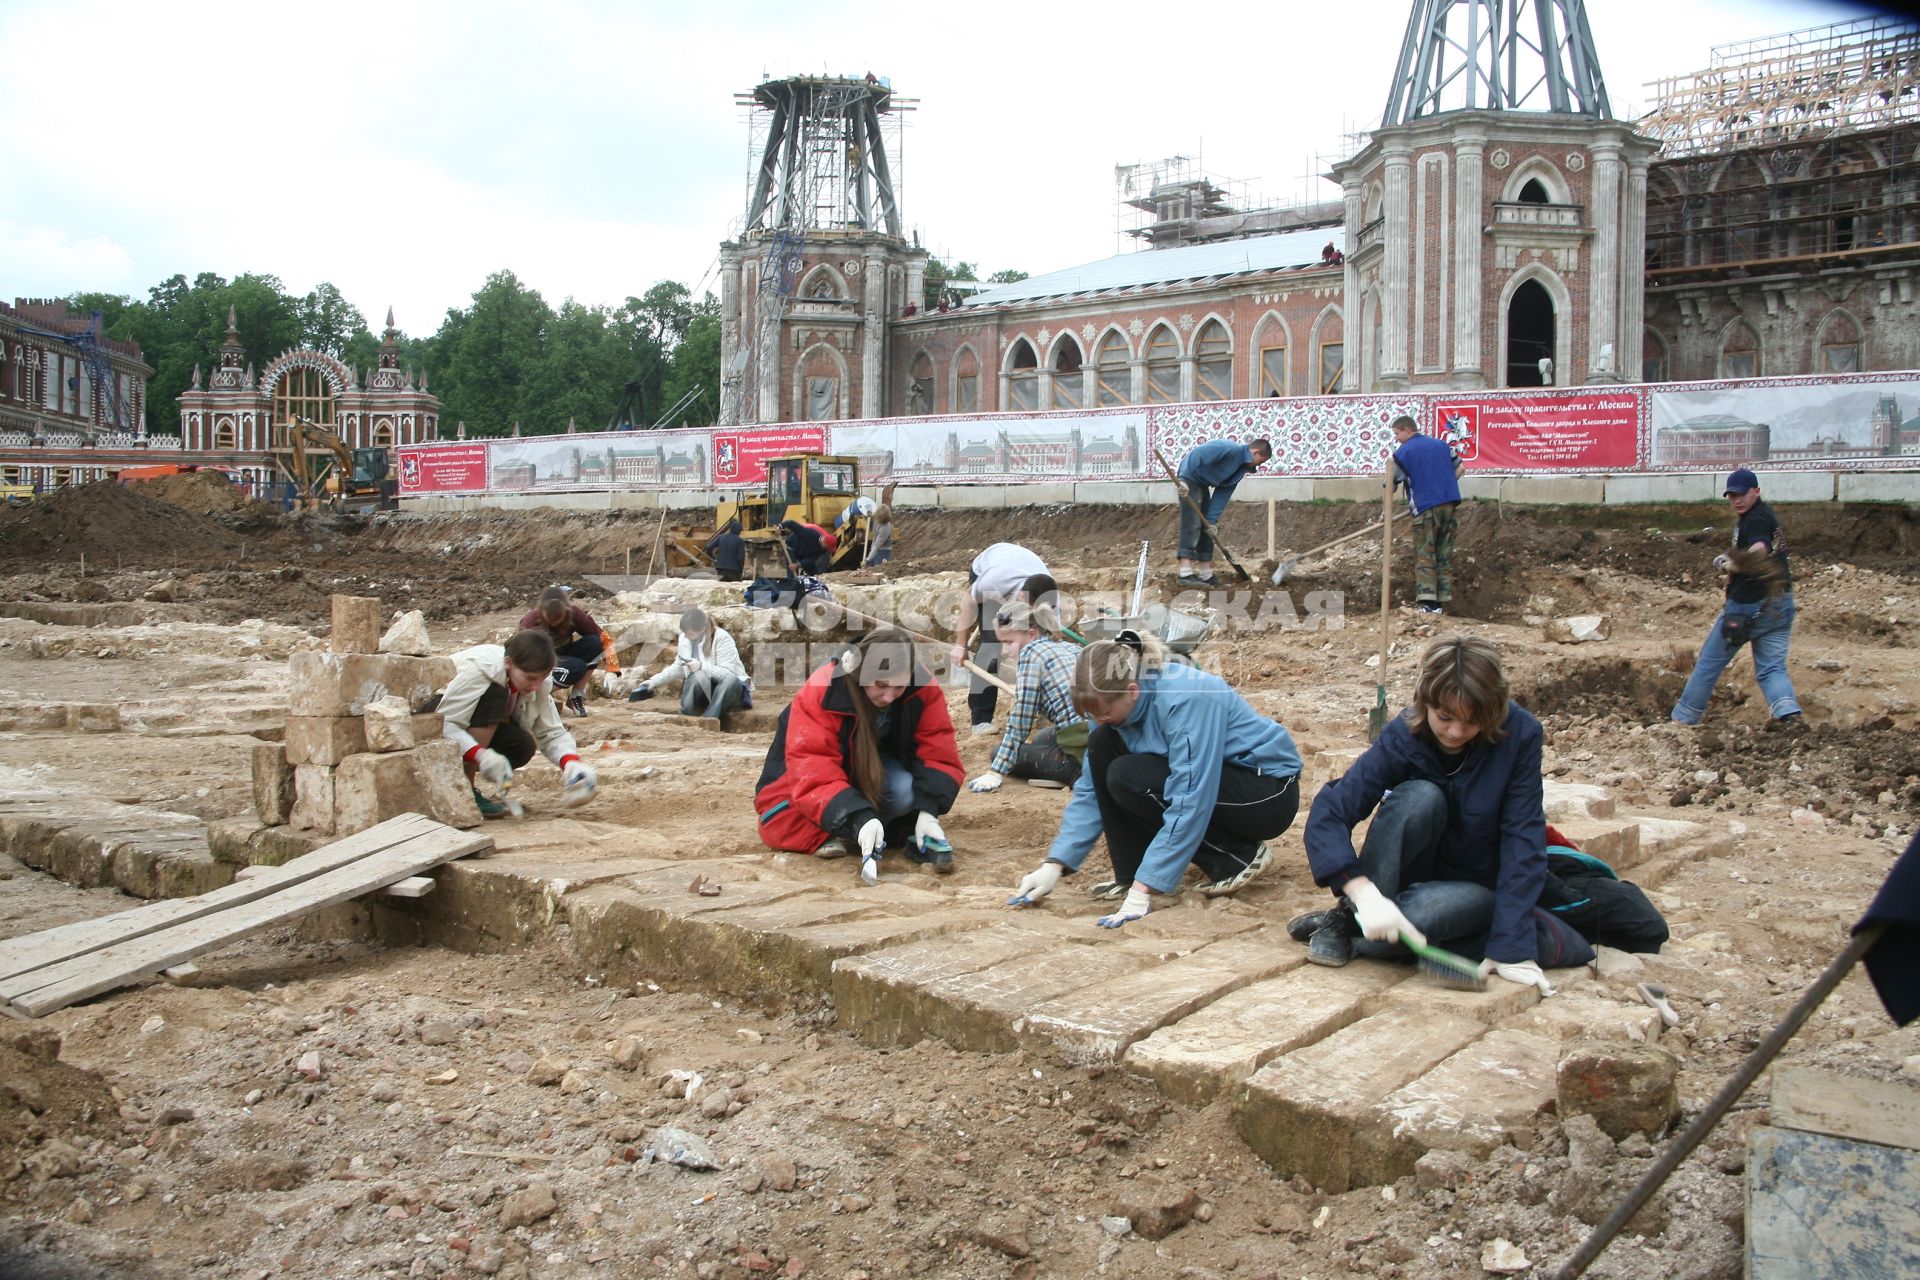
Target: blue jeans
1398,858
711,694
896,797
1195,542
1772,631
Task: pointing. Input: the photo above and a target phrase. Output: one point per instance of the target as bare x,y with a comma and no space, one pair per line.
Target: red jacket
805,793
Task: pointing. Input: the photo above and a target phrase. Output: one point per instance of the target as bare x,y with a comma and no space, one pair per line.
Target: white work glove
493,766
927,827
872,838
1722,563
957,654
1037,884
988,781
1181,485
577,773
1380,920
1135,906
1526,972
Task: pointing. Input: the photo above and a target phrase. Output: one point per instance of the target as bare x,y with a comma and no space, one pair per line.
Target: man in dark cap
1758,610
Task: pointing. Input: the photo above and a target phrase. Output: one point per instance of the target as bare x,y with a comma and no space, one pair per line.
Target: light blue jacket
1199,724
1220,465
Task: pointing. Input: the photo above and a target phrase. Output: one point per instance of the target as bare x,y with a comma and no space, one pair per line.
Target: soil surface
322,1108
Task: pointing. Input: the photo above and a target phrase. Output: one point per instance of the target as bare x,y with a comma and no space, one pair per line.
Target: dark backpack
1583,893
774,593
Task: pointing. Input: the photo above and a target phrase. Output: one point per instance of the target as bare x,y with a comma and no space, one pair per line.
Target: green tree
501,342
1009,276
938,273
696,363
328,322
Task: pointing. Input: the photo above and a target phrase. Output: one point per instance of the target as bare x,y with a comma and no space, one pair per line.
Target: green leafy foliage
506,358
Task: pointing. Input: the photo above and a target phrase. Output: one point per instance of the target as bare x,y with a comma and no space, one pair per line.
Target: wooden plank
60,985
1821,1208
411,887
1840,1106
51,946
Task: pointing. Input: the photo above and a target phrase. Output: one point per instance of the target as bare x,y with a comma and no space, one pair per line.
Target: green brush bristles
1455,971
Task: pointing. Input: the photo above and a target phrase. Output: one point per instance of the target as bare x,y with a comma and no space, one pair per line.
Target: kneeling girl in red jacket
864,757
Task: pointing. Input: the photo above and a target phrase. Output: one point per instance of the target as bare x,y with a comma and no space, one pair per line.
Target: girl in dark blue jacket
1456,853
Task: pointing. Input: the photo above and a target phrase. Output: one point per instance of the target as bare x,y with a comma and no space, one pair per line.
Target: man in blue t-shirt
1432,476
1208,475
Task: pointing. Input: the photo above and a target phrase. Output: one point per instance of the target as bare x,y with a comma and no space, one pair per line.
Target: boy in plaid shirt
1043,687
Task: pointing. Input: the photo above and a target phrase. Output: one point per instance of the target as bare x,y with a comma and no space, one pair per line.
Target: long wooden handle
1343,539
1386,570
1205,523
982,672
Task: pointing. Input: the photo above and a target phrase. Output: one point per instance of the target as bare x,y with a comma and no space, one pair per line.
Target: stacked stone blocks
356,752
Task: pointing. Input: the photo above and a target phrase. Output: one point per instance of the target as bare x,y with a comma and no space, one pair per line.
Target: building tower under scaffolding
820,265
1495,220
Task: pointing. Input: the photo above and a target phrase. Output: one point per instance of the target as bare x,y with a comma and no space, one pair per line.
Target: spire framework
1496,55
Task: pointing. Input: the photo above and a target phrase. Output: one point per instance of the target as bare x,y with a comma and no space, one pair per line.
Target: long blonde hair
880,654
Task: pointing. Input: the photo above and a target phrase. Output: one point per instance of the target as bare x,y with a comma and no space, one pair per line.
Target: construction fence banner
1863,420
1859,420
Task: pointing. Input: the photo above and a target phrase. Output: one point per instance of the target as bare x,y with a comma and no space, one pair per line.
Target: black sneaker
1332,943
577,704
1300,928
1194,581
489,807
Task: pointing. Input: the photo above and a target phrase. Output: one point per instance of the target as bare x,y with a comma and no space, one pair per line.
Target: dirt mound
47,1103
206,493
107,520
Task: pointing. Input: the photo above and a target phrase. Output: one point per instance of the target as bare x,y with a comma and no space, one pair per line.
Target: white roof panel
1299,248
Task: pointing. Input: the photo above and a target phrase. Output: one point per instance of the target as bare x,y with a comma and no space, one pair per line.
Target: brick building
1763,220
237,410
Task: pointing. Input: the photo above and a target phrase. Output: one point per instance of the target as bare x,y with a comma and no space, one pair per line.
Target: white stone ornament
1576,161
1499,158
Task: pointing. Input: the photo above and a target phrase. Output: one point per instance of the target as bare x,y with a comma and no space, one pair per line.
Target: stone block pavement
1345,1076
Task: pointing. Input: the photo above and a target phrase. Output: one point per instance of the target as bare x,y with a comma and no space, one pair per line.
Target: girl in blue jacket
1179,770
1456,853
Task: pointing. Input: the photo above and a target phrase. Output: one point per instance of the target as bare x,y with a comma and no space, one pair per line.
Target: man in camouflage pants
1432,476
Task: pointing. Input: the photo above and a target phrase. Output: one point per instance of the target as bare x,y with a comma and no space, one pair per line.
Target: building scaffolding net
1848,76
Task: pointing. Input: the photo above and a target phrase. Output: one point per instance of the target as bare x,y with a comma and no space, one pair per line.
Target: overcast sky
405,150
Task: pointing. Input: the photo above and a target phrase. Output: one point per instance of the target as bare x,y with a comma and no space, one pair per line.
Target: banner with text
457,467
1859,420
1541,431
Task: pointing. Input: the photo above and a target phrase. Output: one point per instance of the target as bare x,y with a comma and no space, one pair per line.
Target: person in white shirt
707,667
998,574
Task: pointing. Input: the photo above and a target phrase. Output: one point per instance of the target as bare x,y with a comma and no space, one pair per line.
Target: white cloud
45,262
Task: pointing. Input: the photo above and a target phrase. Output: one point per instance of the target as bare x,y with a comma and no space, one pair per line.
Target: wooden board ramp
49,970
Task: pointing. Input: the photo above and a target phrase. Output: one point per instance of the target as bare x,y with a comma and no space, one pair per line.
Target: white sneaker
983,729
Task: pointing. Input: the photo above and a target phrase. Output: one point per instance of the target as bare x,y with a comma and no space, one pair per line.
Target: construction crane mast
826,160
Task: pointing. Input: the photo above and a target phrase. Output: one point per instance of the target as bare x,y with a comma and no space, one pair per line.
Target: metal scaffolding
826,154
826,159
1789,152
1496,55
1863,74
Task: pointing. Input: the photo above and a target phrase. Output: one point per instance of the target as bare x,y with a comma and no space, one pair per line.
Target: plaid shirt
1043,686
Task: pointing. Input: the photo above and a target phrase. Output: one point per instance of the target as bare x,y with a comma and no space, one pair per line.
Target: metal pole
1139,583
1730,1092
1273,507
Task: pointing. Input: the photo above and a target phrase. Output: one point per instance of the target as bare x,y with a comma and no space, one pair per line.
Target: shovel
1377,718
1286,566
1204,522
